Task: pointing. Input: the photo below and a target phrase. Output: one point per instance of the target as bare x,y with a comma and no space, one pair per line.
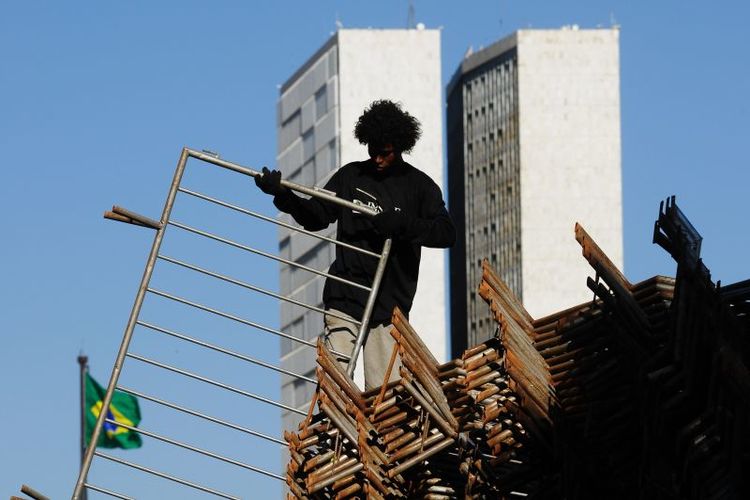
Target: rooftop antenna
612,21
339,24
410,24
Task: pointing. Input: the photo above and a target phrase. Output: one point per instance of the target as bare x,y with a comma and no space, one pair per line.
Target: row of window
295,125
316,166
492,178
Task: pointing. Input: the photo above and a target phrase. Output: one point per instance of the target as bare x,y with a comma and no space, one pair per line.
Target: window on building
332,160
293,122
308,173
321,102
295,176
308,144
284,250
290,129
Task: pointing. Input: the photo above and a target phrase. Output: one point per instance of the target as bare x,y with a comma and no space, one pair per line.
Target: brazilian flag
123,408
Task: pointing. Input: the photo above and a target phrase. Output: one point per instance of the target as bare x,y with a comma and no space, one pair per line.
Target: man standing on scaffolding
410,210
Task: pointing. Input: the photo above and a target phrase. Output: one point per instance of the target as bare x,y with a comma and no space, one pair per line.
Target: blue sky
98,98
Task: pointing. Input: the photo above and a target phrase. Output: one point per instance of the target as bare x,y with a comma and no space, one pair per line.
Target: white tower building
533,147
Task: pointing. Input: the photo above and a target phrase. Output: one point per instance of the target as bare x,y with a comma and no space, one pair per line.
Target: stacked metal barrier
644,392
438,431
138,324
697,394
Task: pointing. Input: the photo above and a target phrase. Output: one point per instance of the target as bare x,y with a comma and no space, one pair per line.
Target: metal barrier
145,289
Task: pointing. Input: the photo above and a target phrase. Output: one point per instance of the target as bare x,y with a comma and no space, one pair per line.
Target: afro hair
384,122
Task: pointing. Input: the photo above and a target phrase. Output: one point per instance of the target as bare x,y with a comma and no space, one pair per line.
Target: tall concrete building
533,132
317,109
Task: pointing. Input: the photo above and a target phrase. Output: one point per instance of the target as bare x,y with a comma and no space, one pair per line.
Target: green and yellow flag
123,409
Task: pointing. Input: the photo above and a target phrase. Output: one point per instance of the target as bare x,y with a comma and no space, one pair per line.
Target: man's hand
391,223
270,182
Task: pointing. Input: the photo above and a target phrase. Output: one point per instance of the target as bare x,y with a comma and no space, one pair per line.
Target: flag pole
83,364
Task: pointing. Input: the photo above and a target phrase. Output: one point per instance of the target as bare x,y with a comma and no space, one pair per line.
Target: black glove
270,182
391,223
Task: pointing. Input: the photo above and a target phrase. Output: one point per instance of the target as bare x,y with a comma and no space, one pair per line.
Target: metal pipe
390,422
386,378
319,485
167,476
25,488
107,492
334,415
441,422
226,351
331,468
308,417
391,435
414,446
278,222
215,383
254,288
399,442
315,461
141,219
239,320
420,457
363,329
196,450
229,316
335,395
82,366
296,489
264,254
380,407
332,370
430,384
202,415
135,311
306,443
316,192
348,491
108,214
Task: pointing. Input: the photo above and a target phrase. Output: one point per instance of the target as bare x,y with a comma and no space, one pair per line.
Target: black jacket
401,187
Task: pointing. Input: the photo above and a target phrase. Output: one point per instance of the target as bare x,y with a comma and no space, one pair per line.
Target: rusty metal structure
643,392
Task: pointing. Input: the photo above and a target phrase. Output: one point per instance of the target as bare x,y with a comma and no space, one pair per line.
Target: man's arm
313,214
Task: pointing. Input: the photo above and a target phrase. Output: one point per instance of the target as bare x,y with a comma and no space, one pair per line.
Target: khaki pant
341,335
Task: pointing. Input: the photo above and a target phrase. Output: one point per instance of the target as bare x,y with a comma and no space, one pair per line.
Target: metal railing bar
238,319
319,193
106,492
277,222
230,316
225,351
265,254
203,416
369,307
252,287
215,383
195,449
164,475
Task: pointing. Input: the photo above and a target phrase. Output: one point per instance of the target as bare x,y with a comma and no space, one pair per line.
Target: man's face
383,156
